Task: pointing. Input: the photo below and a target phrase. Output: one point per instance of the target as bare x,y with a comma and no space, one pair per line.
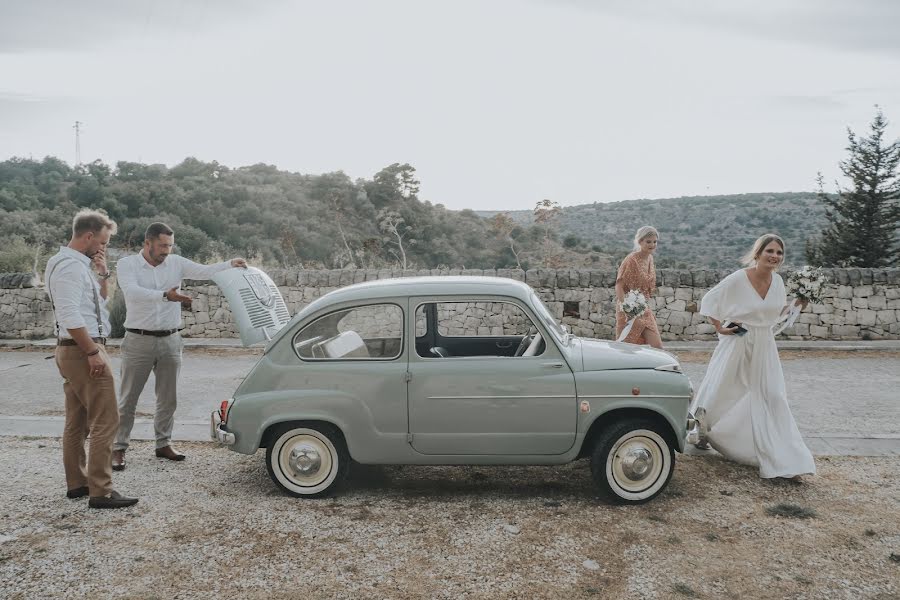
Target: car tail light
223,410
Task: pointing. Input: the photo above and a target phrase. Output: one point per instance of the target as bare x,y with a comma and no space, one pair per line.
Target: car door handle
504,344
553,365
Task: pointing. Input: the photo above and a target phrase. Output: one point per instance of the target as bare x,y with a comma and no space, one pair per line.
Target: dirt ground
216,526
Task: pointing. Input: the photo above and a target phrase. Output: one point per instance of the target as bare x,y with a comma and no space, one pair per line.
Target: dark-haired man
82,323
150,282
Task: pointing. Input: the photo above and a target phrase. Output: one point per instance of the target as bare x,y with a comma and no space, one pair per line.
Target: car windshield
544,315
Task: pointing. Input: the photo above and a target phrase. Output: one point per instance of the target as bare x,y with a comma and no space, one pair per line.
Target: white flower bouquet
806,283
633,305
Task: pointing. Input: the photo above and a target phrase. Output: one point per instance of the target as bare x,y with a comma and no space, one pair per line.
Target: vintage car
446,371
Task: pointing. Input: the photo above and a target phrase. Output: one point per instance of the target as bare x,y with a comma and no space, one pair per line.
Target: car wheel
307,460
632,462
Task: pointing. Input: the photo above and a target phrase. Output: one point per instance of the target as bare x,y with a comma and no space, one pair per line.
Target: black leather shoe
79,492
169,452
118,460
112,500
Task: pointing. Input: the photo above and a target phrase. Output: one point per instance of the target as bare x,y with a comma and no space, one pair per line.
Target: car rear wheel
632,462
307,460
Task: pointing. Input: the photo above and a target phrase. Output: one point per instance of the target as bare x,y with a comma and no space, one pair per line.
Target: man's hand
99,262
174,295
239,262
97,365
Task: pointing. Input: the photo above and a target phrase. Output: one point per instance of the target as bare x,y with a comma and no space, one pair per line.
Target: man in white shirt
81,323
150,282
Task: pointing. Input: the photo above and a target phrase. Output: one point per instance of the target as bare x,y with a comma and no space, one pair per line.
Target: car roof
428,286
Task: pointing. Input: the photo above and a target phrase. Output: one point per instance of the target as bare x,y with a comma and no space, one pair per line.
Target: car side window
476,328
371,332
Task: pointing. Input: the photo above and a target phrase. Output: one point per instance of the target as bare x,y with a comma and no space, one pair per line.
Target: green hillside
697,231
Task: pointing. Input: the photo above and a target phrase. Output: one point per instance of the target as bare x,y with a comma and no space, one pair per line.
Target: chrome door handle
553,365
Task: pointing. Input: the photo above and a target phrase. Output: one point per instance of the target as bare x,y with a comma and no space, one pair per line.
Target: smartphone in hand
740,329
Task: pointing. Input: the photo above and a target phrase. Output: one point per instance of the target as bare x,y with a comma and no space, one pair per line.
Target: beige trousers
91,412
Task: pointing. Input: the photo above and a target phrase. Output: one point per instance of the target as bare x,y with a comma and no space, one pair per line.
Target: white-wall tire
632,462
307,460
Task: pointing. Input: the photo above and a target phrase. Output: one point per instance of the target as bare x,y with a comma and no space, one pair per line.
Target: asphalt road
839,394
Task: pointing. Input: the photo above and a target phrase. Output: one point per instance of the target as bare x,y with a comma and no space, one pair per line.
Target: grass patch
791,511
870,532
684,590
711,537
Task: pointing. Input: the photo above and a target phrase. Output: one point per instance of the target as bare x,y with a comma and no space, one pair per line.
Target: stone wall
859,303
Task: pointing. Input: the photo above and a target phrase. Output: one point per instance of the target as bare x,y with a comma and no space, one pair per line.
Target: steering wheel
526,341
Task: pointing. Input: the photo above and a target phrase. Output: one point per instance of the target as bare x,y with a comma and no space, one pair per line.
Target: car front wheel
307,460
632,462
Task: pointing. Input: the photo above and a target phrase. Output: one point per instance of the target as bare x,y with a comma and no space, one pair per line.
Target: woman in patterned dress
637,272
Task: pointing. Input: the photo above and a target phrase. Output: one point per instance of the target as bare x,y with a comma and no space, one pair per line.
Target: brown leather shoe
169,452
118,460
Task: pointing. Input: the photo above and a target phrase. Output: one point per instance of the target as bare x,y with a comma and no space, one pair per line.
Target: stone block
877,302
843,304
821,309
684,293
676,305
845,331
818,331
858,302
885,317
863,291
866,317
844,291
679,318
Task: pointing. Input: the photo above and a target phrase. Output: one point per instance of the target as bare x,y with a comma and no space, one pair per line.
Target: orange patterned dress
634,277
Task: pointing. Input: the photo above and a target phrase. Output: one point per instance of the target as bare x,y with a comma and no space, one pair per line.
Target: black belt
161,333
69,342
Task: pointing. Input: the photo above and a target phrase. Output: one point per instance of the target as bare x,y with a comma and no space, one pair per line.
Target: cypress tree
863,218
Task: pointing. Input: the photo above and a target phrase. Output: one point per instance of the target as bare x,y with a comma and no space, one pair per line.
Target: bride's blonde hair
764,240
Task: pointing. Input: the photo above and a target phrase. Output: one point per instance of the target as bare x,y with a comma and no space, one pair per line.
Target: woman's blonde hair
643,232
759,245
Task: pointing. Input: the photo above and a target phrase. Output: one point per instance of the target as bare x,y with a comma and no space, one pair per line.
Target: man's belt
160,333
71,342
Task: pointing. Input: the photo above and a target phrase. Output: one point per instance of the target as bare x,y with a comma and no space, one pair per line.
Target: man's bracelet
105,276
95,351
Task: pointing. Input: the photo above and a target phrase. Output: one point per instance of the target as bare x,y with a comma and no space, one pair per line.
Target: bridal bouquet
806,283
633,305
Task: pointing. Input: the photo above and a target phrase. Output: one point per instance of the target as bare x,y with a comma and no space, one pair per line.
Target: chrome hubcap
636,463
305,460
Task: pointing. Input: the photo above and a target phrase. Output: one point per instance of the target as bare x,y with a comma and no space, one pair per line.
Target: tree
545,214
503,225
391,223
864,217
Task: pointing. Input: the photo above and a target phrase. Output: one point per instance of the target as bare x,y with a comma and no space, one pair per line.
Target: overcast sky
496,103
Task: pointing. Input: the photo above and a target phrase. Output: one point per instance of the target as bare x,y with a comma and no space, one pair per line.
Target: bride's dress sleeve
715,302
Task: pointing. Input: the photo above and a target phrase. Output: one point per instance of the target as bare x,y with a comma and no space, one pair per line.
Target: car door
490,405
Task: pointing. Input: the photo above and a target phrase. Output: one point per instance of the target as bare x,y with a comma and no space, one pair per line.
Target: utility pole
77,128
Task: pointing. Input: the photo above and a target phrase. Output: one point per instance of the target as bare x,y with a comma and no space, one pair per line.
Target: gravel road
215,526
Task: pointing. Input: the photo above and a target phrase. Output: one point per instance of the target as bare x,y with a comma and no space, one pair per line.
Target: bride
742,402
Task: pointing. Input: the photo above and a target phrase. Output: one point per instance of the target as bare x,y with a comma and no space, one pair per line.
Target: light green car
447,371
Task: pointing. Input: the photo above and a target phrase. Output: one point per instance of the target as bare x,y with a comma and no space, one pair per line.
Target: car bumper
693,429
217,430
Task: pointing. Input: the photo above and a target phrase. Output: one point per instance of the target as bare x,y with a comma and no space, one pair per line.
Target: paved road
839,400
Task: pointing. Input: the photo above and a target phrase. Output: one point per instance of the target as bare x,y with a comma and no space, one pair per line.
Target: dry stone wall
859,303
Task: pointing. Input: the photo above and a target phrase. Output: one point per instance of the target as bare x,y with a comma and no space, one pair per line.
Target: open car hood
255,302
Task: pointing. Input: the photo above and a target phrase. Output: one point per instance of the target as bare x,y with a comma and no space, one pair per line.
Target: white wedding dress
743,393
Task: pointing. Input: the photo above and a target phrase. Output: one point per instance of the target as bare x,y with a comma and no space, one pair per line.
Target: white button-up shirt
144,286
71,285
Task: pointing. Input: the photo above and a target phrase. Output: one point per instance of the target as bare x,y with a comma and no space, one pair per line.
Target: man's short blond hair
94,221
